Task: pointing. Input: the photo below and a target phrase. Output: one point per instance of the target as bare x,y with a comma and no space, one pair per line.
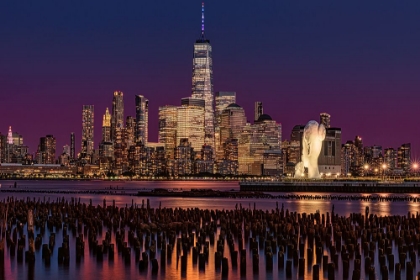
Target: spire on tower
202,20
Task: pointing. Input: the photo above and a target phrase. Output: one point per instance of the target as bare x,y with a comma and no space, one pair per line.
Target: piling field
244,242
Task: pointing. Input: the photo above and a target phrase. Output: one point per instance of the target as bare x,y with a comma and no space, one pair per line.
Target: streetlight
415,167
383,168
366,167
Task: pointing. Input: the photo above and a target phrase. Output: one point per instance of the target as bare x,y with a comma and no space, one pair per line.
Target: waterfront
92,268
126,191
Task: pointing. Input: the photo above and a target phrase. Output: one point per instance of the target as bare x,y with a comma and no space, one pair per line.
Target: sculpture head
313,135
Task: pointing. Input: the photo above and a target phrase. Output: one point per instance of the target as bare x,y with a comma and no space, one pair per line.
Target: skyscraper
325,119
72,147
167,129
190,122
117,119
106,126
233,120
142,118
222,100
130,135
87,131
46,150
202,80
258,110
404,157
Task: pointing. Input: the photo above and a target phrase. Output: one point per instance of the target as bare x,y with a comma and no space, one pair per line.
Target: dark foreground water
90,268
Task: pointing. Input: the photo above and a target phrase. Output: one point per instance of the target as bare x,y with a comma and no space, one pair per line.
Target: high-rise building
329,160
202,80
130,127
404,157
390,158
257,140
14,149
72,147
2,147
222,100
10,136
258,110
106,126
167,129
190,123
87,132
325,119
232,121
66,149
46,150
117,119
142,119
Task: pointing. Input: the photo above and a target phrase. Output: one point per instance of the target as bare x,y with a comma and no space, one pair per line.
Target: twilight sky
357,60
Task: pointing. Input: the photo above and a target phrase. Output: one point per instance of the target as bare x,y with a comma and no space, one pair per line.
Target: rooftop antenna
202,20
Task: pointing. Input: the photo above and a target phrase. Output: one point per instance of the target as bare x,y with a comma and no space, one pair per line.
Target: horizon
319,61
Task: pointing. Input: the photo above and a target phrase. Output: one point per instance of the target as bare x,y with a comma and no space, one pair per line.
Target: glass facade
117,119
202,84
190,123
87,131
142,119
167,129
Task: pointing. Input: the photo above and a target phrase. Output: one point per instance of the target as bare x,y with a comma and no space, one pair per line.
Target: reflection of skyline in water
342,207
89,268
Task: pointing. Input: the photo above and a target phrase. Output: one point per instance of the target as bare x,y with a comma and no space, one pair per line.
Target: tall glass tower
202,80
87,131
142,119
117,118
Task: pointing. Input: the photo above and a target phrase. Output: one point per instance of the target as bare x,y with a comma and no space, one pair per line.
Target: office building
46,150
404,157
167,129
329,160
87,132
72,147
190,123
142,119
106,126
117,118
258,110
202,81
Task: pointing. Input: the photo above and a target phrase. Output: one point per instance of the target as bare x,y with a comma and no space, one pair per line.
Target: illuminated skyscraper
106,126
258,110
232,122
117,119
142,118
190,123
222,100
72,147
404,157
167,129
87,132
106,147
202,80
46,150
10,136
325,119
130,126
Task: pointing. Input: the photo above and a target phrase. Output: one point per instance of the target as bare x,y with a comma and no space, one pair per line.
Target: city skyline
256,82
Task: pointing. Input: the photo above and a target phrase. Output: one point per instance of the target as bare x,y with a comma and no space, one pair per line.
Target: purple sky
358,61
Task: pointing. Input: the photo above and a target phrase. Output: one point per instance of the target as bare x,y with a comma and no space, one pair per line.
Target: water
89,268
130,188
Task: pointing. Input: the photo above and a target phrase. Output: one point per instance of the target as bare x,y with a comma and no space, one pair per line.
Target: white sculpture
313,135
